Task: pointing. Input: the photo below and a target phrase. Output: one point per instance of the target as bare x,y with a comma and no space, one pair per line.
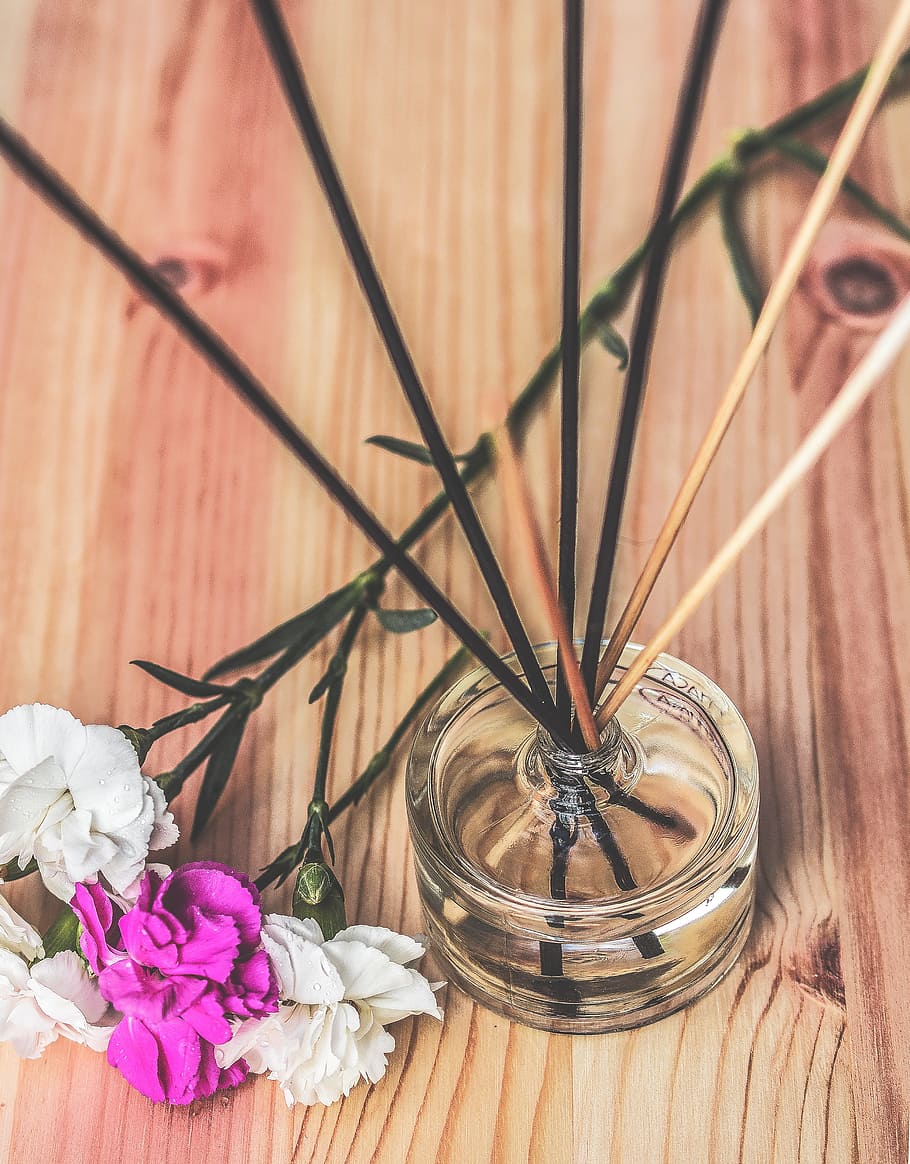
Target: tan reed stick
856,388
782,287
521,509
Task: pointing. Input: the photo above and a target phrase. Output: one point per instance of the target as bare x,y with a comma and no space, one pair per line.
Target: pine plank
144,514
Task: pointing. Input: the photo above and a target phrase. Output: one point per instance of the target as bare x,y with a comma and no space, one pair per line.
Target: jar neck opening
613,767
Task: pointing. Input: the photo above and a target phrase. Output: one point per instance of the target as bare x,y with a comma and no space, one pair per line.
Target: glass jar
586,893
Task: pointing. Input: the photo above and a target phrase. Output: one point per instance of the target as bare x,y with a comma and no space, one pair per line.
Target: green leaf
321,688
12,872
738,250
335,670
615,344
141,740
303,631
281,868
217,773
401,622
197,688
63,934
410,450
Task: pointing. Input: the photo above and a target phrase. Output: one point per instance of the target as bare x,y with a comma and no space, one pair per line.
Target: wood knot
192,269
173,271
860,285
818,970
857,275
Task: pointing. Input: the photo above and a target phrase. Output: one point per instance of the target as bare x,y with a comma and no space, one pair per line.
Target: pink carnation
182,962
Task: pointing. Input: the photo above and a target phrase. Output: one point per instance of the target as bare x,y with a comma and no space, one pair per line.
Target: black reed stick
290,72
648,944
570,344
701,53
64,199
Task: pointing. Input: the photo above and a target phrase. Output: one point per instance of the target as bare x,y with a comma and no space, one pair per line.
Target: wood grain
144,514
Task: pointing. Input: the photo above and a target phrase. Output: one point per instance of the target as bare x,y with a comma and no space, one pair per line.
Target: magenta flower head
179,965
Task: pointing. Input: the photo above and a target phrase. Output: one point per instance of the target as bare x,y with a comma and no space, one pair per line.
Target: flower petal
32,732
164,828
398,947
304,973
93,908
56,997
25,804
373,1047
17,935
136,1054
391,991
66,992
74,798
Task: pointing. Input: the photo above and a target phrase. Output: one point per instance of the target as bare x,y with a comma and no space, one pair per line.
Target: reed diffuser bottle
592,891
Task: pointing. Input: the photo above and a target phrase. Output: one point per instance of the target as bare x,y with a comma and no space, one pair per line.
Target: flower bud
318,895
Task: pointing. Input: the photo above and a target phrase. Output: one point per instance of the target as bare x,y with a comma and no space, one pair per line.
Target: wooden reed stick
570,345
688,109
521,510
816,212
857,387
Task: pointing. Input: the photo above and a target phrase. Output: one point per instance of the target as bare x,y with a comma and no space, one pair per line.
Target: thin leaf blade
410,450
185,684
615,344
402,622
304,631
217,773
333,673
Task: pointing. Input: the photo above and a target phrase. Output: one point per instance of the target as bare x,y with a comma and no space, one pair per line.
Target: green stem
316,817
255,689
723,177
179,719
728,170
609,299
816,162
172,782
738,250
833,98
320,816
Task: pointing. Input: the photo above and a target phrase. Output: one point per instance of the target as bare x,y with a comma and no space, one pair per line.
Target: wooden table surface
145,513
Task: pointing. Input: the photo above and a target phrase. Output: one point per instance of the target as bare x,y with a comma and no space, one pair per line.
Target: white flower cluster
72,796
338,996
44,998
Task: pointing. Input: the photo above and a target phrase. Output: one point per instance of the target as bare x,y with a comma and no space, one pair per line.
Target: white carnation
337,998
53,997
72,797
16,935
